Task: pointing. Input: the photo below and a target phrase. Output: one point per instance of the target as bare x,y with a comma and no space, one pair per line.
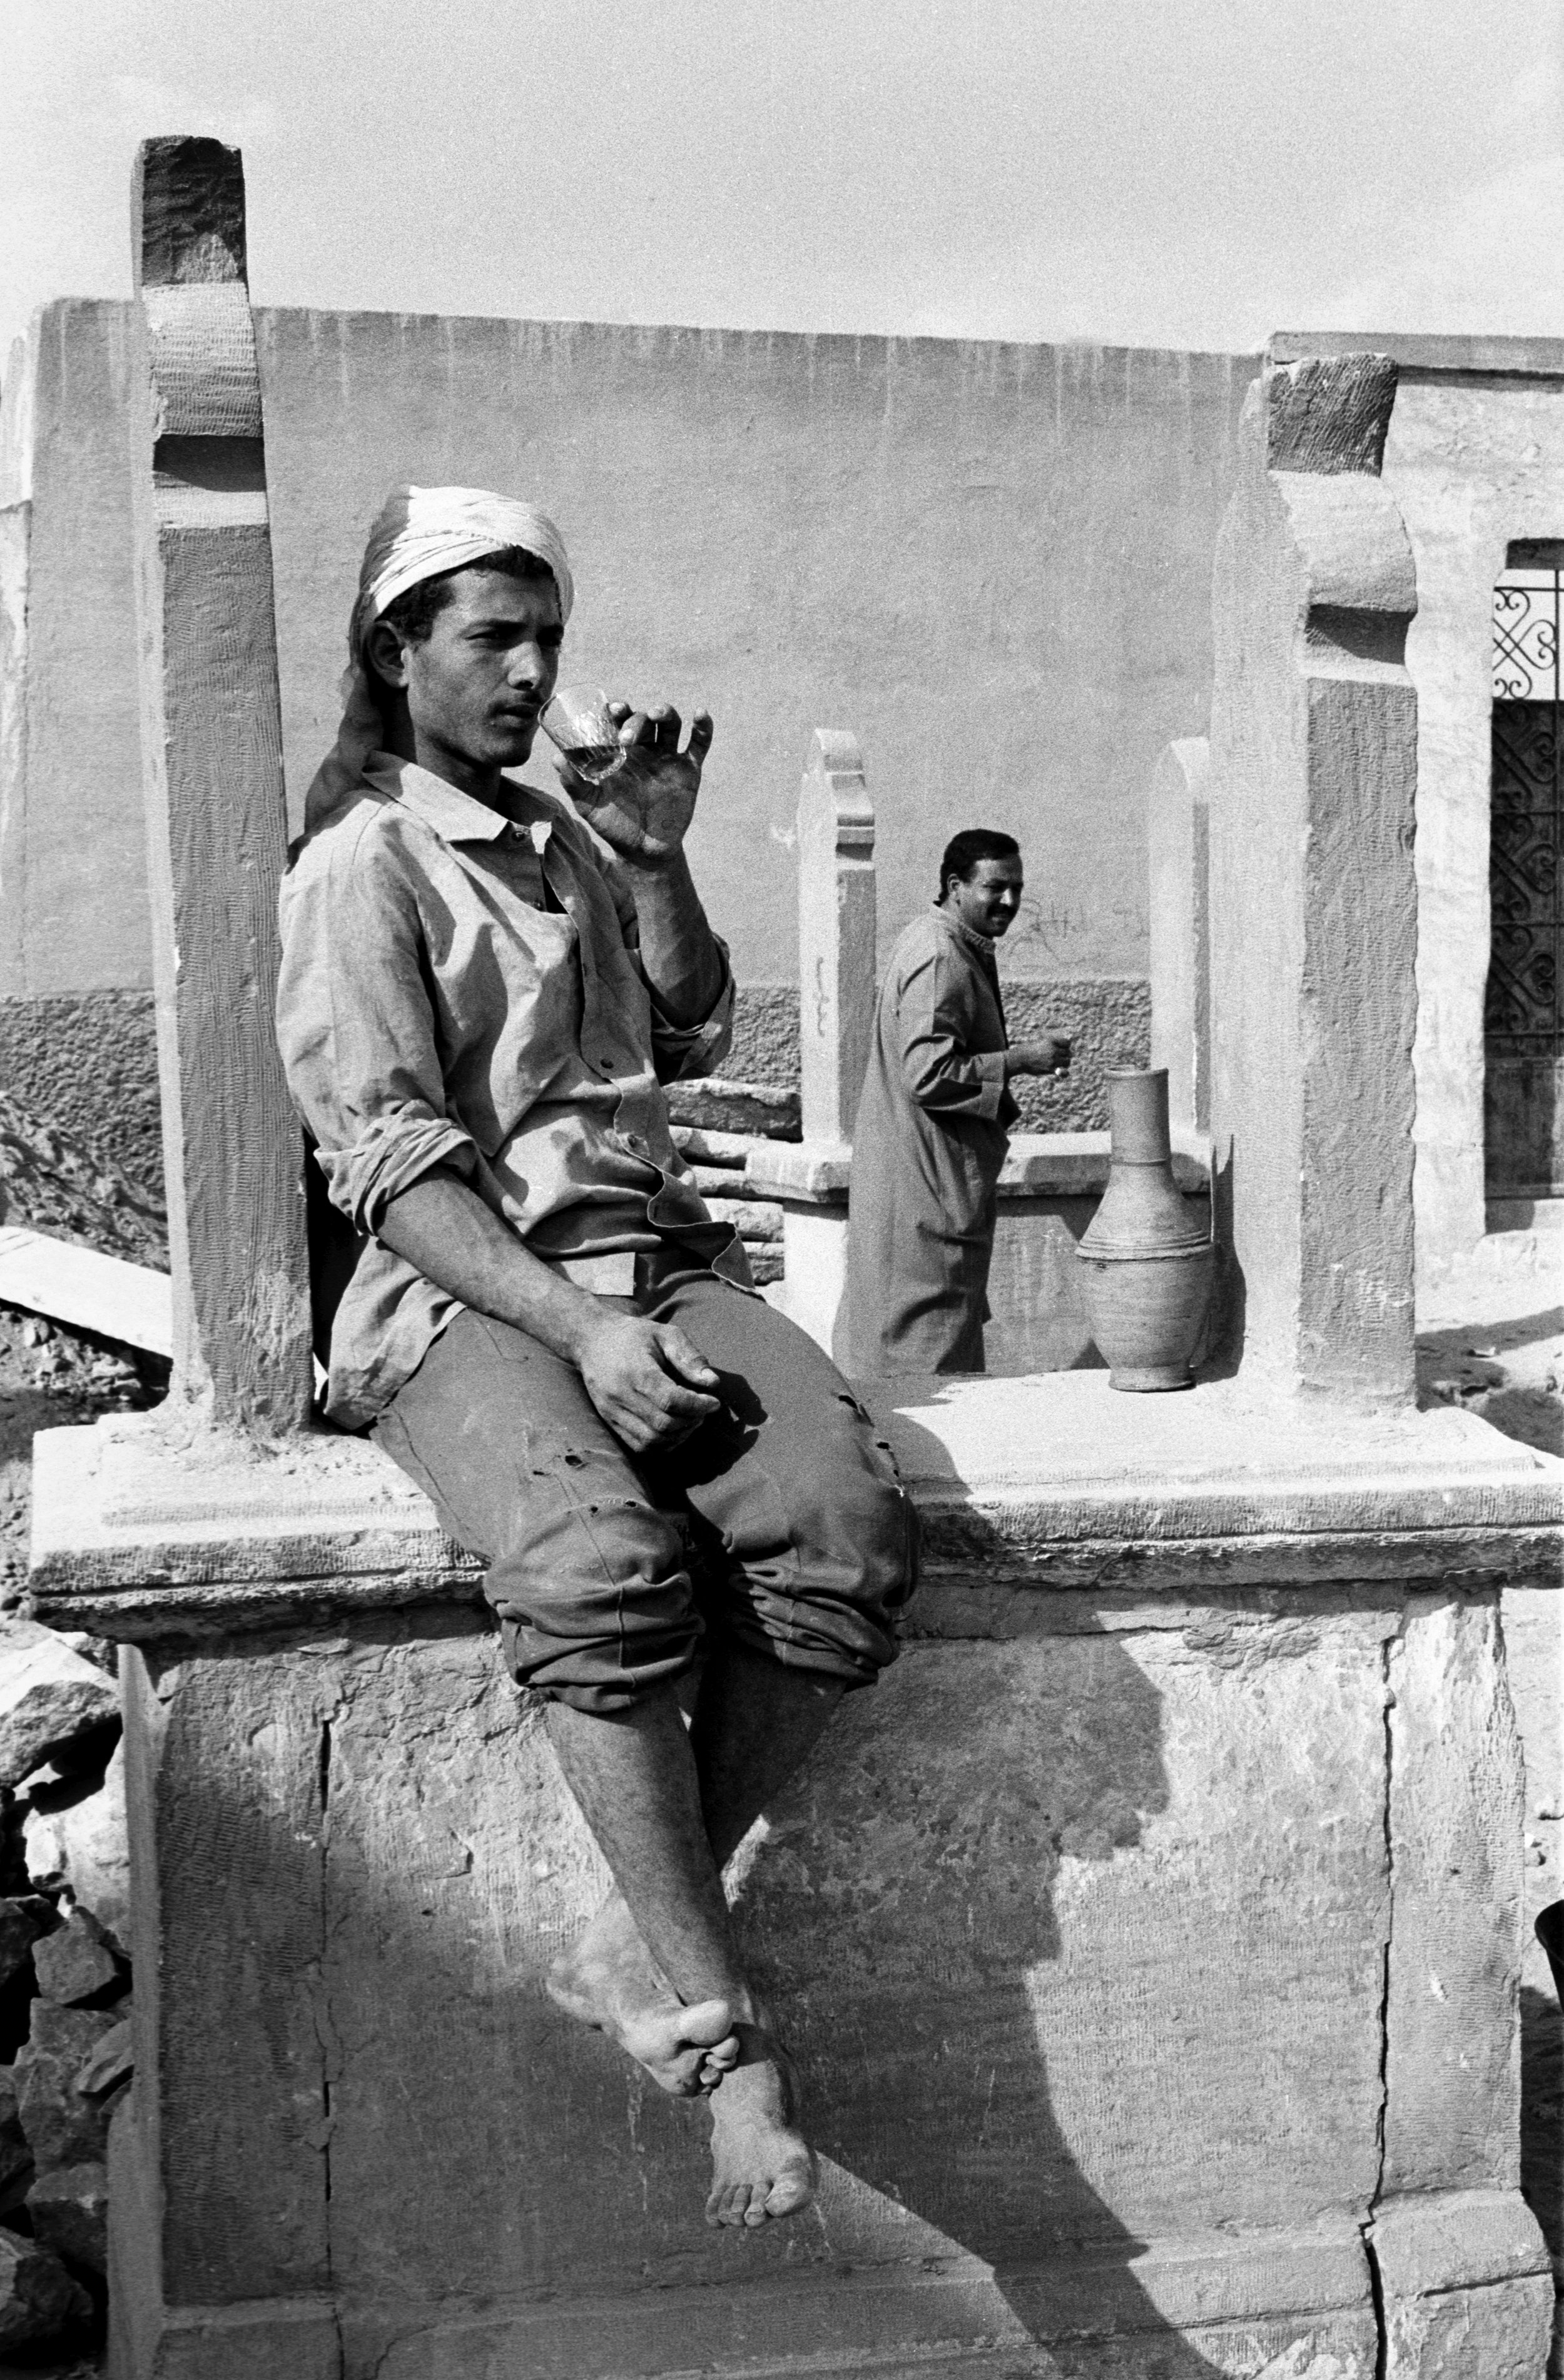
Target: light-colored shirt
464,990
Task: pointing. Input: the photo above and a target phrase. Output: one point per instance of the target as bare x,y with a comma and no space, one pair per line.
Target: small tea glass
578,723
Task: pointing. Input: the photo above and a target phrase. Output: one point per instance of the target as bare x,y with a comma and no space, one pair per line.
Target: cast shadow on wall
899,1910
395,1811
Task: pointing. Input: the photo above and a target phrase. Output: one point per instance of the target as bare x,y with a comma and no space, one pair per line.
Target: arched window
1524,1020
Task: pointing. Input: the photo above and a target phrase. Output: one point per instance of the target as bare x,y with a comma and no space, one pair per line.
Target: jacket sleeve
355,1027
935,1020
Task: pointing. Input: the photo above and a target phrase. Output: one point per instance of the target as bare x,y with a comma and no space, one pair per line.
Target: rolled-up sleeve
356,1029
678,1051
935,1021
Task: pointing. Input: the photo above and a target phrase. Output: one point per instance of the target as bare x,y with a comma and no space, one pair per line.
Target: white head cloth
420,533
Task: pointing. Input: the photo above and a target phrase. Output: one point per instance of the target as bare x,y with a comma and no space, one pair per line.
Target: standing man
932,1124
479,999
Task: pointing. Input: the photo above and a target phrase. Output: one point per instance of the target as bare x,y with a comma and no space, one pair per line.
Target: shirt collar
453,816
953,925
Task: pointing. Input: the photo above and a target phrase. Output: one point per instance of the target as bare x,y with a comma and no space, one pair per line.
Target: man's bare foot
762,2165
607,1979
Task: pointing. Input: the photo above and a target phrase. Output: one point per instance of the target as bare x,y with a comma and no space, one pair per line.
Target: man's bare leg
665,1826
755,1723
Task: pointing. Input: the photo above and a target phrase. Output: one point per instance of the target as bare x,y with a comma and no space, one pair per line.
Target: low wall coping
1050,1481
1039,1165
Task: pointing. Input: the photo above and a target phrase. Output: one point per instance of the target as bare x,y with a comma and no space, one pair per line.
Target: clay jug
1146,1259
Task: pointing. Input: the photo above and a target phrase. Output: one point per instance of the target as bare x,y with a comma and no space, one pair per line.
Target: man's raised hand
644,808
652,1385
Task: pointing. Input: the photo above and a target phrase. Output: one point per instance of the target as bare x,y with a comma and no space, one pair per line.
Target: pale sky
1163,173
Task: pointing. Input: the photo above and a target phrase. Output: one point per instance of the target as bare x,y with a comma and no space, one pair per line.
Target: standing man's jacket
928,1148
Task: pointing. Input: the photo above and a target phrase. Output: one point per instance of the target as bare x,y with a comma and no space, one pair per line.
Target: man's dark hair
964,852
413,613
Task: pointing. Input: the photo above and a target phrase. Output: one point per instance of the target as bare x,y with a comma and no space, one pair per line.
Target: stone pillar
836,936
1313,900
1177,837
216,831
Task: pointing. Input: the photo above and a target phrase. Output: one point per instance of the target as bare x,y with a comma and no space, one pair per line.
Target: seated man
479,999
933,1123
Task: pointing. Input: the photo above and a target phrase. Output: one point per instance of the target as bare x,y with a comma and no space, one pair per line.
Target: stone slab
1003,1942
1037,1164
1525,358
1061,2029
128,1302
1466,2288
1057,1475
936,2323
1456,1819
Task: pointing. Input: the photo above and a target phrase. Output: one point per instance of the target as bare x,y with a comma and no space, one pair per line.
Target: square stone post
1313,900
1178,838
836,936
216,823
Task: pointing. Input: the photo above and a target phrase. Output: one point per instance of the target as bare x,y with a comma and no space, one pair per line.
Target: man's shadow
900,1909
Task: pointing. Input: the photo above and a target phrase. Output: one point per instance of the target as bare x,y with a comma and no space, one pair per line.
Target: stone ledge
1039,1165
936,2309
1053,1481
1459,2240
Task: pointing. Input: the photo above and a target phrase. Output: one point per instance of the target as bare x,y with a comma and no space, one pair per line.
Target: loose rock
19,1929
69,2207
62,2125
48,1696
16,2157
110,2063
75,1962
75,1840
37,2295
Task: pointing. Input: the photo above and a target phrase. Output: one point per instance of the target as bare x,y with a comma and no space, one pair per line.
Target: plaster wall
989,562
1474,461
73,912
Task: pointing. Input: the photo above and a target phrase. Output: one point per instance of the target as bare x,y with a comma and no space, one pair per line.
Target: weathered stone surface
110,2060
836,935
1122,1850
1313,753
69,2207
1465,2287
1108,1022
48,1695
16,2157
1455,1814
84,1150
80,1844
232,1762
712,1102
1486,2333
62,2125
75,1962
37,2295
1473,463
765,1043
21,1925
1178,824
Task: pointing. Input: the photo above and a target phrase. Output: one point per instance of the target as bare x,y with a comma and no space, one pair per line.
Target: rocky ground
64,1974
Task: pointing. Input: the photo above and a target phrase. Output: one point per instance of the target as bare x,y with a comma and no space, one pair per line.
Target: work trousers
781,1521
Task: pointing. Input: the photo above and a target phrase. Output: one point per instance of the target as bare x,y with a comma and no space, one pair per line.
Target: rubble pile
64,1977
65,1965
